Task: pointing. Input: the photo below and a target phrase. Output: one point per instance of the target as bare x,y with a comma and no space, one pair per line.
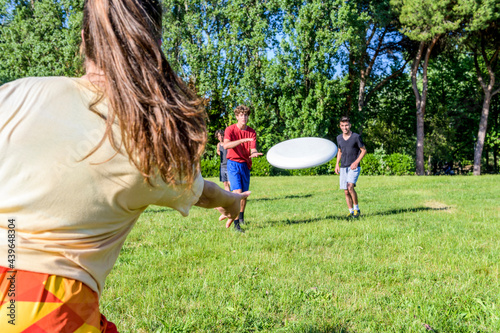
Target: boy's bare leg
243,204
352,192
348,199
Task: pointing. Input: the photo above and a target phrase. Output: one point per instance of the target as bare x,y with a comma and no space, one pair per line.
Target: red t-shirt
240,153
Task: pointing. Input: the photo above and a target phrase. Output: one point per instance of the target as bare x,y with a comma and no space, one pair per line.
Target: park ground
424,257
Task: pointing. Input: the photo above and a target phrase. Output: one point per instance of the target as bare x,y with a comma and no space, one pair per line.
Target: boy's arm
253,147
233,144
218,148
254,153
355,164
339,155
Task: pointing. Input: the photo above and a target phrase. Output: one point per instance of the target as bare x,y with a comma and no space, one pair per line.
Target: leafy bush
381,164
261,167
370,165
374,164
399,164
380,155
325,169
210,167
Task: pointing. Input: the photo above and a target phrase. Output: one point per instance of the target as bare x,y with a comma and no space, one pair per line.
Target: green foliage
424,19
371,165
262,168
324,169
453,110
399,164
480,13
219,48
296,63
40,38
380,163
308,98
387,118
210,167
380,155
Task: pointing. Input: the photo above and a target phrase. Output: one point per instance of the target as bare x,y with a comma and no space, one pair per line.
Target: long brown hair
162,122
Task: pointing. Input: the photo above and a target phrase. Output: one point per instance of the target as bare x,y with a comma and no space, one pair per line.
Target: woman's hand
227,203
232,211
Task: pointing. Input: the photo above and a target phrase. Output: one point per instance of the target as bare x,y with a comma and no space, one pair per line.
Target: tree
492,141
219,48
483,38
426,21
40,38
452,107
389,118
303,70
369,32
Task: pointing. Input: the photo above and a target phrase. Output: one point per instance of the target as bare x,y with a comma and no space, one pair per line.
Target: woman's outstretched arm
227,203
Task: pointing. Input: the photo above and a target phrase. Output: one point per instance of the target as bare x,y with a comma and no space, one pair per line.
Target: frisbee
301,153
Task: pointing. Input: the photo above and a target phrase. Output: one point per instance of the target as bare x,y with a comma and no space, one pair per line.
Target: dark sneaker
237,227
356,213
241,221
350,215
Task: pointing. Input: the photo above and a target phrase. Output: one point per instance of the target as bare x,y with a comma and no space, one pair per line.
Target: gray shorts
223,174
348,176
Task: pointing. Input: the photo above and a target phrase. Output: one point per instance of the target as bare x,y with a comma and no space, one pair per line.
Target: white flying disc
301,153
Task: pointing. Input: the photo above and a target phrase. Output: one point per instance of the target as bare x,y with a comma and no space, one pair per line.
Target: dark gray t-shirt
350,148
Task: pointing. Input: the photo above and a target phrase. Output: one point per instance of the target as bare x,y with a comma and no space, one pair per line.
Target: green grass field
424,257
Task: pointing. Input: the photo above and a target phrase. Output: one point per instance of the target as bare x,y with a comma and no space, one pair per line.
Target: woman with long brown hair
82,158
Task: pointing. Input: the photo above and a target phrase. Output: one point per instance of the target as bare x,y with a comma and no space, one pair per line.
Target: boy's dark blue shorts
239,175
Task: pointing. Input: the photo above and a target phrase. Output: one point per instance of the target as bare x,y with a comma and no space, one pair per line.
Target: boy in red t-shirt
240,140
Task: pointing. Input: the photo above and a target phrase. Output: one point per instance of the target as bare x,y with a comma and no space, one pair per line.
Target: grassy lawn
423,257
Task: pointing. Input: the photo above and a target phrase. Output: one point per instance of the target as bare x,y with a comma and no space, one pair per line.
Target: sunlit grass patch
424,252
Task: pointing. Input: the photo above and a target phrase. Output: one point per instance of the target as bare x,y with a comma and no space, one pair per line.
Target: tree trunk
419,154
419,162
421,100
488,94
362,88
361,101
366,72
481,135
352,74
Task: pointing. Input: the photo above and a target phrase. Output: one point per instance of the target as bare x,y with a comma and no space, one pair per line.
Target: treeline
417,77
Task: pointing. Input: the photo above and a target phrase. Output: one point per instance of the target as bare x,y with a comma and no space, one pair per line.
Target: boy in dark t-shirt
351,152
222,152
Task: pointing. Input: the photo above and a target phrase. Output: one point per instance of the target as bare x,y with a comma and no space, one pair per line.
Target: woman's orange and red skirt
35,303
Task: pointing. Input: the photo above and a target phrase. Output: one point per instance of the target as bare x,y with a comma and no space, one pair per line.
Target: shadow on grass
311,220
280,198
342,217
405,210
